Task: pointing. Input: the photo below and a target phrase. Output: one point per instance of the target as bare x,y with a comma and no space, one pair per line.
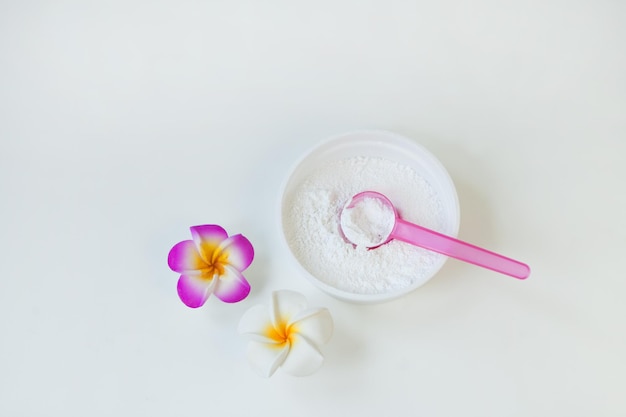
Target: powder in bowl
313,232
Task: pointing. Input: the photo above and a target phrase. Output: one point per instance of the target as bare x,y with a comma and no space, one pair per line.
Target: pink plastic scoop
369,219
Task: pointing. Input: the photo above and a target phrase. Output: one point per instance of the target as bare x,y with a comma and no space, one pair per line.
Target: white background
122,123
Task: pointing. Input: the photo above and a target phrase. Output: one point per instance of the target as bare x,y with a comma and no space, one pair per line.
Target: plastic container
373,144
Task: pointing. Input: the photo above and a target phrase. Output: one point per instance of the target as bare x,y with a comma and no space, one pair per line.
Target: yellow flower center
217,263
282,333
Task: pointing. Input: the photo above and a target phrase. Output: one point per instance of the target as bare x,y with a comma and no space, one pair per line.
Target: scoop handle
429,239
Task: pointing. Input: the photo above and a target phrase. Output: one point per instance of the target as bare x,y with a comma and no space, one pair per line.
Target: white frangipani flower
286,335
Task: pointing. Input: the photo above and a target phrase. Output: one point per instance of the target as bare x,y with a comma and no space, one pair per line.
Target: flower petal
285,305
255,323
240,251
194,290
184,257
231,286
207,238
303,357
265,358
315,324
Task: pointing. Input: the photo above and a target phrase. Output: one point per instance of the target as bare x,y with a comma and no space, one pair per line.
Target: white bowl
372,148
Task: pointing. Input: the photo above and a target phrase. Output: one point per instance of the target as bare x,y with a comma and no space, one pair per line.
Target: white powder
311,225
367,222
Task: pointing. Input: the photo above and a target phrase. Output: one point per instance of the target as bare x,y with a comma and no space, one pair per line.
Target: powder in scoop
367,222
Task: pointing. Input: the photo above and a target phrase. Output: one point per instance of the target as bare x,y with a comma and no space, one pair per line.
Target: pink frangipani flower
211,263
